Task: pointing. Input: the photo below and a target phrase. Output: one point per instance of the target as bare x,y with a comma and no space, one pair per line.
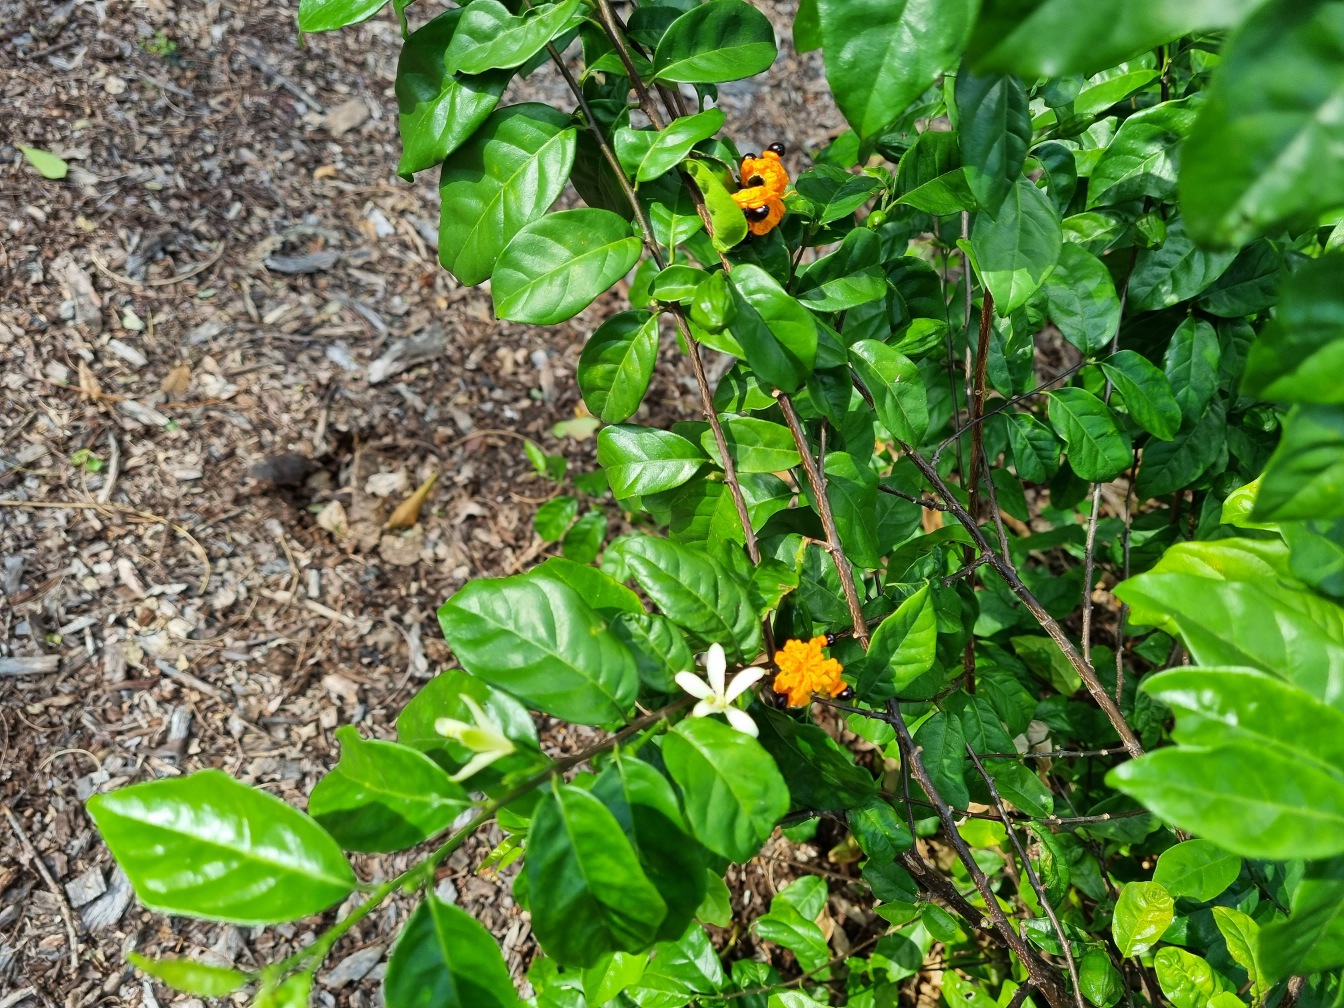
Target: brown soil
179,406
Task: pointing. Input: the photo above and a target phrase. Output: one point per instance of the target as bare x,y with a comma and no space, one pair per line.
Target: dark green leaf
851,275
1015,250
660,651
616,365
1304,478
438,110
902,648
507,175
1262,154
589,894
1147,392
584,539
444,958
541,641
383,796
1081,300
205,845
1174,270
1249,285
557,265
881,56
1098,450
851,490
819,772
879,831
1036,450
756,446
1143,157
995,130
730,787
1312,938
1168,466
645,460
777,333
943,746
716,41
1191,365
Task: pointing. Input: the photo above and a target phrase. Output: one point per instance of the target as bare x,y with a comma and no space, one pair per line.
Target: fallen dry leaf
177,380
333,519
408,511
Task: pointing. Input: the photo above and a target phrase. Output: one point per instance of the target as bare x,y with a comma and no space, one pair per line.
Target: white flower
714,697
485,738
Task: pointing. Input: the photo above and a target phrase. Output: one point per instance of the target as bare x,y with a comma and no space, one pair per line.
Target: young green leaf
490,37
1197,869
714,42
1099,980
444,957
728,225
555,267
442,697
902,648
328,15
583,541
1304,478
617,364
1312,938
206,845
645,155
732,792
48,165
1142,913
554,517
1242,935
506,176
191,976
383,796
1185,978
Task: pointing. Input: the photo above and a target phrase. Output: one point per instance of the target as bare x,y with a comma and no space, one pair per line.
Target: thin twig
923,502
62,904
955,436
163,281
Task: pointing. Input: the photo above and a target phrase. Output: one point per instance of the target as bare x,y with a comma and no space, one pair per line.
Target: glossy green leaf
851,490
1257,803
1297,356
696,592
1142,913
589,894
1242,933
612,974
1196,869
732,792
713,42
1036,450
728,225
849,276
1175,270
1143,157
1262,154
1191,365
1316,554
943,754
902,648
1169,466
1099,980
490,37
930,176
1051,38
1148,393
1187,980
898,392
755,445
327,15
778,335
583,541
617,364
1015,250
506,176
832,193
190,976
48,165
1312,938
785,925
444,958
441,697
206,845
554,517
819,772
655,153
677,282
1304,478
659,649
1080,299
1098,450
540,641
994,130
881,56
438,110
383,796
1052,864
555,267
645,804
879,830
645,460
1250,285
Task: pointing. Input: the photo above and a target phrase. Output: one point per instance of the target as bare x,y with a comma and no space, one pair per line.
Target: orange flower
764,183
803,670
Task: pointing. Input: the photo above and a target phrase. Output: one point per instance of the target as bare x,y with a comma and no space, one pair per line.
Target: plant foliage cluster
1036,416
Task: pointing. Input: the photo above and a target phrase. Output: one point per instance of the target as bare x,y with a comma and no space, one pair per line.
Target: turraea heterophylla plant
1062,313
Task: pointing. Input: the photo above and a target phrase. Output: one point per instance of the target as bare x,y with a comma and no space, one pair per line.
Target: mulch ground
227,353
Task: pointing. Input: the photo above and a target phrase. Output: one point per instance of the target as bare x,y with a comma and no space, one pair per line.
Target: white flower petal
477,762
741,720
478,715
693,684
715,667
451,727
742,682
704,709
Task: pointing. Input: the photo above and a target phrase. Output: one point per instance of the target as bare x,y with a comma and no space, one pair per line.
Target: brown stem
1048,623
978,403
817,482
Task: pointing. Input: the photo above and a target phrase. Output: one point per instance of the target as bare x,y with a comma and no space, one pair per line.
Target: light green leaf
506,176
441,697
540,641
49,166
645,460
555,267
1242,935
1098,450
206,845
898,392
1304,478
1080,299
728,225
778,335
1015,250
755,445
190,976
1143,157
326,15
1142,913
714,42
1186,979
490,37
617,363
1196,869
1297,356
445,958
902,648
1099,980
647,157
